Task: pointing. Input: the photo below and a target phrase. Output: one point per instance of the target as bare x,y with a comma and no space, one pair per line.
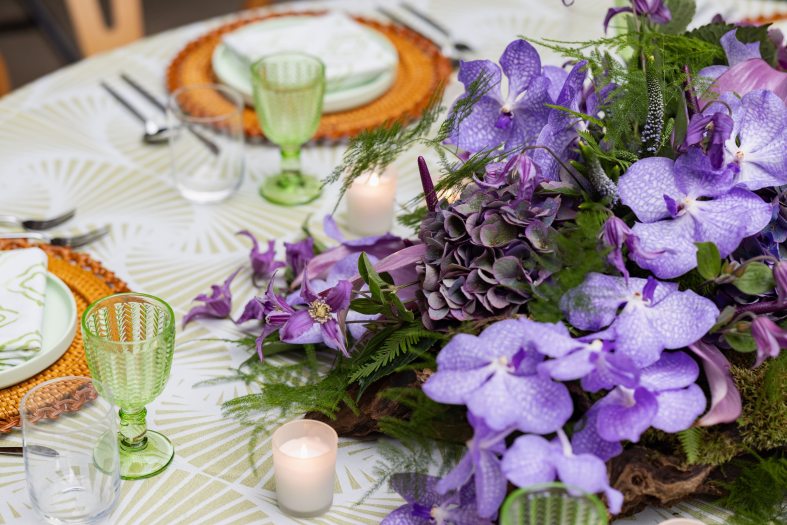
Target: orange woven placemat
422,71
88,281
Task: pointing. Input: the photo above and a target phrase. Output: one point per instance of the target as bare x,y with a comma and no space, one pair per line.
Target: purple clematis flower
533,459
321,311
725,406
770,339
495,375
511,120
217,305
646,315
482,463
298,254
683,202
666,398
262,263
426,506
654,10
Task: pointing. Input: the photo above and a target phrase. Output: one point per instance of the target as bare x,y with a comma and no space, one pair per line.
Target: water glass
552,504
288,97
206,150
71,456
129,339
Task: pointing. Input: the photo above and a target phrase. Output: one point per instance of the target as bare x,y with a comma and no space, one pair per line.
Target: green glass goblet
129,339
552,504
288,96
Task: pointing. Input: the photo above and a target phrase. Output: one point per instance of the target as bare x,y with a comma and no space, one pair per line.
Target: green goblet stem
291,161
133,429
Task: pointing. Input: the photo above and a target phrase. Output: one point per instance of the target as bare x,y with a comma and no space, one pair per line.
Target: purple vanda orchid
666,398
511,120
533,459
218,304
647,316
683,202
495,375
426,506
262,263
482,464
725,404
769,337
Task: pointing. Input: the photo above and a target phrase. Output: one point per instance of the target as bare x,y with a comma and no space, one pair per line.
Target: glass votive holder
681,521
370,203
552,504
206,147
304,464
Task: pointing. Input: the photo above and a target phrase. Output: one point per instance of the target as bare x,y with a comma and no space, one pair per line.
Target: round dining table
65,143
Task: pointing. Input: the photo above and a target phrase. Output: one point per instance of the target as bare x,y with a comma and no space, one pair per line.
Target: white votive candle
681,521
304,464
370,203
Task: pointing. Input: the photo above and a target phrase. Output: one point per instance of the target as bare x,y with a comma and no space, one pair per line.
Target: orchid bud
769,337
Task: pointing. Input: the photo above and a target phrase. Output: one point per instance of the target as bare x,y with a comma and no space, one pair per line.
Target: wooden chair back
5,80
93,35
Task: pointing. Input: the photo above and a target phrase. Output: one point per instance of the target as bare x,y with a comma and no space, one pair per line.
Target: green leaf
757,278
404,313
371,277
712,33
708,260
682,12
740,342
366,306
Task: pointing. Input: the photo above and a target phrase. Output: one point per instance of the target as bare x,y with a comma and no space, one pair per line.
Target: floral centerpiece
596,292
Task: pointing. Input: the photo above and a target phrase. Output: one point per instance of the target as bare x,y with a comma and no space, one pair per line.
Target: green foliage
740,341
757,278
758,495
763,420
691,443
708,260
682,12
712,33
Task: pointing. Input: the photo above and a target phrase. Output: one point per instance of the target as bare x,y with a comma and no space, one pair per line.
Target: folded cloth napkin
22,291
351,54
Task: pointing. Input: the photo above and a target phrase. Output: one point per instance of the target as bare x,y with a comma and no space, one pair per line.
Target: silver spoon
154,133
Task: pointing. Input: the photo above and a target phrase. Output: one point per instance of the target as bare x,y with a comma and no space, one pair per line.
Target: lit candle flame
303,452
374,179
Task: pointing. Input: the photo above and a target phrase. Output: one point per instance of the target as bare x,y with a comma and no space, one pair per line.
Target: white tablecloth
64,142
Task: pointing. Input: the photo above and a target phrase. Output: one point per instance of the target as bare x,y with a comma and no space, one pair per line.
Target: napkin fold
22,292
350,53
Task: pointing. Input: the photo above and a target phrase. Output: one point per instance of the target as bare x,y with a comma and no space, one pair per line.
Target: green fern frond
691,442
399,342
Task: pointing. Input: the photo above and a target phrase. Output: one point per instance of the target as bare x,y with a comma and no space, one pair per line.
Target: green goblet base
147,459
290,189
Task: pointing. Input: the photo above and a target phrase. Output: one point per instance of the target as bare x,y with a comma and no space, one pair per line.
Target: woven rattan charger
88,281
422,71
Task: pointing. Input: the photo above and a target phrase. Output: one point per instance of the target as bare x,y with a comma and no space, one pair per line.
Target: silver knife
32,449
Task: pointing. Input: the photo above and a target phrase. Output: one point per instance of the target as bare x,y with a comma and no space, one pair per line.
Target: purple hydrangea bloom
321,312
533,459
647,315
426,506
262,263
218,304
298,254
482,463
495,375
666,398
770,339
655,10
683,202
510,120
560,130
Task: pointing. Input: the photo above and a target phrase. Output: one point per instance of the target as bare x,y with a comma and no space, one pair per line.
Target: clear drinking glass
552,504
288,96
71,457
206,150
129,339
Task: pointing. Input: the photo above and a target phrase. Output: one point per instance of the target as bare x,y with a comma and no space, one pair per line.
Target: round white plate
233,72
60,325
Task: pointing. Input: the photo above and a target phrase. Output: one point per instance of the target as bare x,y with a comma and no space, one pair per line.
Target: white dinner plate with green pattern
60,325
232,71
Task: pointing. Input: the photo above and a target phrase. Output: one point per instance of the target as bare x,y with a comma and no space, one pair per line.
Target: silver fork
37,224
75,241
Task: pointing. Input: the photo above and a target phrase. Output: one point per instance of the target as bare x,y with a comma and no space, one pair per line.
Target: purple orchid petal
611,370
674,243
470,71
679,409
455,387
557,77
527,461
728,219
674,370
520,63
298,324
478,131
643,186
595,303
531,113
626,415
588,473
458,476
695,175
570,367
490,484
750,75
405,515
737,51
587,441
333,337
682,318
550,339
416,488
725,398
769,337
